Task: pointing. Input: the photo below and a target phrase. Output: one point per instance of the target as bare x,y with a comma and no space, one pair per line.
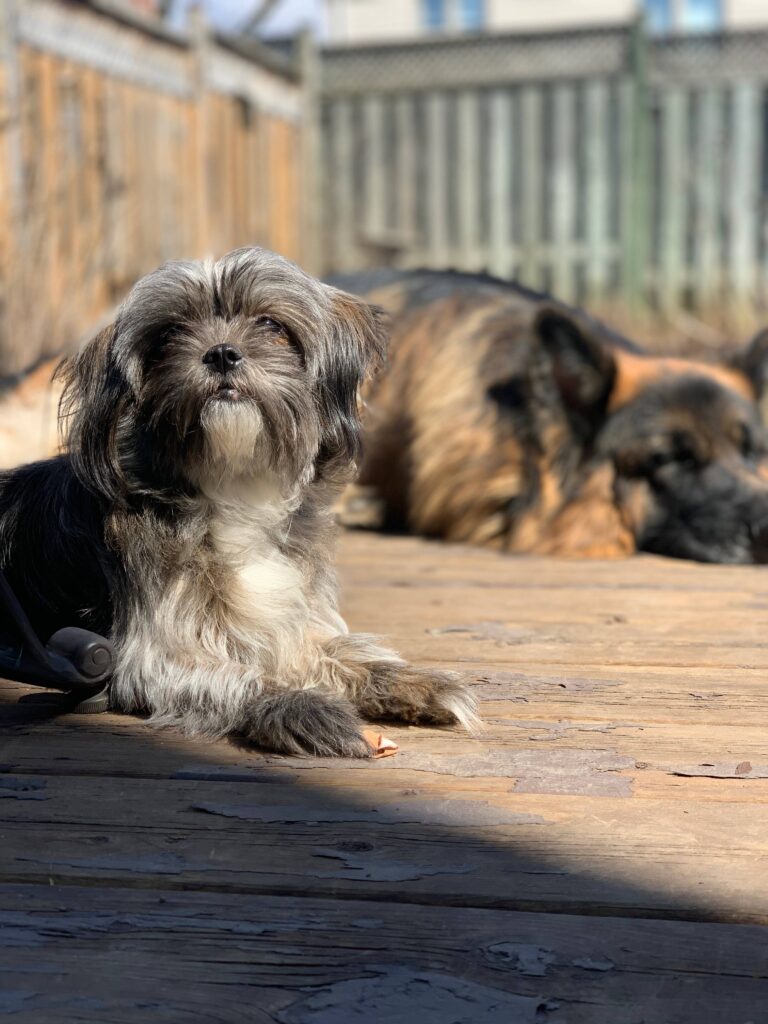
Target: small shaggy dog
211,428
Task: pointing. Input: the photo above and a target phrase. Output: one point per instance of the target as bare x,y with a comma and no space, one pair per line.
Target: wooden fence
122,144
597,164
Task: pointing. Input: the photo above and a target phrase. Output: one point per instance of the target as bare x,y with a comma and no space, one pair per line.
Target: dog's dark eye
677,449
748,443
659,459
270,324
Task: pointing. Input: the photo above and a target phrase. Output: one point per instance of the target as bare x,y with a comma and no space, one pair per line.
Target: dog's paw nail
379,744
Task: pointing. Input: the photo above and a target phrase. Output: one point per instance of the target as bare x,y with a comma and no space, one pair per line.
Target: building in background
362,21
150,7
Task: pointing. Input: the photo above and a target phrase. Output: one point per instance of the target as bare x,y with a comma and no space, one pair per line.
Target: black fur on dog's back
46,510
422,287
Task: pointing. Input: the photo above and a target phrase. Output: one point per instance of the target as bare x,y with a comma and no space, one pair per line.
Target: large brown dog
507,420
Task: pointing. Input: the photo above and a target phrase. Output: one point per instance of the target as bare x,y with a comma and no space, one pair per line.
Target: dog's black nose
223,358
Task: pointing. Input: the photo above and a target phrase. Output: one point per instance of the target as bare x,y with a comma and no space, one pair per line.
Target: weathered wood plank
664,722
219,958
426,839
623,774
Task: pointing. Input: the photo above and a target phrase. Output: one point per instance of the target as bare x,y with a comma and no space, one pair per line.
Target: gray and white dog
210,429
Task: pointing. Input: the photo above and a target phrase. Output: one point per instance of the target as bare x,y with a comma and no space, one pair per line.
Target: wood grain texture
599,855
123,955
110,165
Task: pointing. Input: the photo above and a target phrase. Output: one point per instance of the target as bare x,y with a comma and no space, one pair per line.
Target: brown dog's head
681,442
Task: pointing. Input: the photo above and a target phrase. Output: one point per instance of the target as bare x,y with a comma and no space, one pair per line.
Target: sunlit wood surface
598,857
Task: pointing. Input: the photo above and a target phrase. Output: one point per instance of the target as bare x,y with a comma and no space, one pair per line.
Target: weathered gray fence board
564,189
341,227
468,255
673,196
501,227
636,171
532,183
374,154
405,169
707,280
437,181
743,189
597,187
474,61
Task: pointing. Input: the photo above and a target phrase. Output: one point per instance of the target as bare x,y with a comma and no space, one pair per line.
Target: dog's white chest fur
264,588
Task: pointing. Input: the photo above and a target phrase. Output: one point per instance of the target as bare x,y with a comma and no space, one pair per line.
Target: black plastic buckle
74,660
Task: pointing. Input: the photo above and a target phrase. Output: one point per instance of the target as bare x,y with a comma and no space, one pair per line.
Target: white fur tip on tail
462,704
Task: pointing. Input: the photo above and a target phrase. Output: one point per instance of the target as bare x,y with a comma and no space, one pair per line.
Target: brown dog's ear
355,349
753,361
581,364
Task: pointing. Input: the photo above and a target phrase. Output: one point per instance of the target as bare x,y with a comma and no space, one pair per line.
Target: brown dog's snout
223,358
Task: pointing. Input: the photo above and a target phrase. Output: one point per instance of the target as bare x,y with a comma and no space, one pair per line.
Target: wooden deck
598,857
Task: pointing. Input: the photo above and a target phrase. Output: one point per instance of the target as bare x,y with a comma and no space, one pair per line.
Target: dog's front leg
383,686
218,698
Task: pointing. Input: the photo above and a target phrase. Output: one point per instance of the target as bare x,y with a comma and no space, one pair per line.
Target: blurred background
613,152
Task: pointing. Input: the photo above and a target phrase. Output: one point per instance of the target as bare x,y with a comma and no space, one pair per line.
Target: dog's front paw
307,722
422,696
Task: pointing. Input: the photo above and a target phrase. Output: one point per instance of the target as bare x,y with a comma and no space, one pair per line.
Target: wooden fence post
311,185
200,40
11,182
636,206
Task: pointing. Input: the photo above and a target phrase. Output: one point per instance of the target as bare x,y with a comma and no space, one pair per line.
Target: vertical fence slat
469,255
405,173
374,182
92,206
744,188
437,181
628,97
344,245
708,166
115,171
597,189
531,111
501,254
48,227
636,170
564,180
672,269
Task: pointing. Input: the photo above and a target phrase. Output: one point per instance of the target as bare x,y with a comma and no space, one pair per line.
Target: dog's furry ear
582,365
753,362
92,406
355,349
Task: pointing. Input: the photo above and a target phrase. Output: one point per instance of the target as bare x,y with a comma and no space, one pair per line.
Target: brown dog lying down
507,420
